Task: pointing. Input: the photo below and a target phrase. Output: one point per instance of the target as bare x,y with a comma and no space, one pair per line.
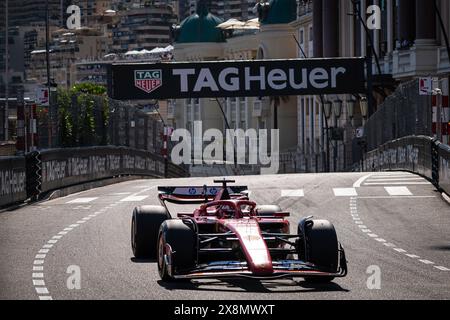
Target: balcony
304,8
420,60
443,61
386,65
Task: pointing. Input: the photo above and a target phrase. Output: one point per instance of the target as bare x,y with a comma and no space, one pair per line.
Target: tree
65,119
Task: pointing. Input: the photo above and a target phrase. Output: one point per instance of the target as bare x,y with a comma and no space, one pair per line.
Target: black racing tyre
182,239
322,248
268,210
145,225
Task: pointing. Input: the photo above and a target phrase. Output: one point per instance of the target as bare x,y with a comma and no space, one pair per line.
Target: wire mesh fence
89,120
404,113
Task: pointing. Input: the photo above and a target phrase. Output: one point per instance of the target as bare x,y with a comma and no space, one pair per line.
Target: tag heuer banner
255,78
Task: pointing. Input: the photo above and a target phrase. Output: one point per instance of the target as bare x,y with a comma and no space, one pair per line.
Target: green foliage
76,115
88,88
87,121
65,119
105,121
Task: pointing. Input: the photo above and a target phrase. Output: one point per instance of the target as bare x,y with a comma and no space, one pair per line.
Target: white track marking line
38,283
395,179
389,244
397,175
134,198
37,275
41,290
345,192
83,200
397,197
395,183
293,193
395,191
442,268
398,191
358,183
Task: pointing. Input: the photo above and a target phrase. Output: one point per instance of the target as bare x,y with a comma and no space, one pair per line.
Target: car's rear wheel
181,240
145,225
322,248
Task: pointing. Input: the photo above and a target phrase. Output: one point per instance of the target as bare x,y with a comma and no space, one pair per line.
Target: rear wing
197,195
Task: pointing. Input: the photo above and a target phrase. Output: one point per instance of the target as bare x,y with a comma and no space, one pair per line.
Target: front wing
281,269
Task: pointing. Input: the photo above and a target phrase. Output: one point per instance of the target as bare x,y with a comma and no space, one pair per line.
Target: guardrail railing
419,154
28,177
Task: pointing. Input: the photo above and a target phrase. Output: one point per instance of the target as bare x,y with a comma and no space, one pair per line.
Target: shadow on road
136,260
441,248
254,286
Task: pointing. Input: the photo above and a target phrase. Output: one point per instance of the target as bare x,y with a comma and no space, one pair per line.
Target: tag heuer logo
148,80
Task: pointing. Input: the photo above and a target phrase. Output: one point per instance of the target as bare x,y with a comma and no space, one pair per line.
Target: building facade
143,28
274,41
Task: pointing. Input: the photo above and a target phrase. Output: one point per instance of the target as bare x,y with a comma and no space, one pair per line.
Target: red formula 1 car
231,236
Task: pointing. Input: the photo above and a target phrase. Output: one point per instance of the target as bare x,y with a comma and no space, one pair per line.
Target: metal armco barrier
34,174
12,180
444,167
420,154
23,178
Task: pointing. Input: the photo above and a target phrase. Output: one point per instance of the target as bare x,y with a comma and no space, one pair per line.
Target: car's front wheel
322,248
177,247
145,224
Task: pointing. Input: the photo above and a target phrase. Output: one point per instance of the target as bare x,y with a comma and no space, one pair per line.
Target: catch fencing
404,113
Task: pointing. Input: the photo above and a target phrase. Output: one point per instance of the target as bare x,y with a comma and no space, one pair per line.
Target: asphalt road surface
395,225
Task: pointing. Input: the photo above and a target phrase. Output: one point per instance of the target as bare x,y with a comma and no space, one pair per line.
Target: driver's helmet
226,212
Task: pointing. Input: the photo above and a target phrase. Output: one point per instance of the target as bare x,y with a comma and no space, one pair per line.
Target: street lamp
337,106
327,109
351,108
364,107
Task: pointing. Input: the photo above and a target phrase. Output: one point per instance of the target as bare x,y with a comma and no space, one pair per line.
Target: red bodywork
236,220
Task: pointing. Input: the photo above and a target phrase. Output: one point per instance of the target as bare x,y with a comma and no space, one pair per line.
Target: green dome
281,11
200,27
